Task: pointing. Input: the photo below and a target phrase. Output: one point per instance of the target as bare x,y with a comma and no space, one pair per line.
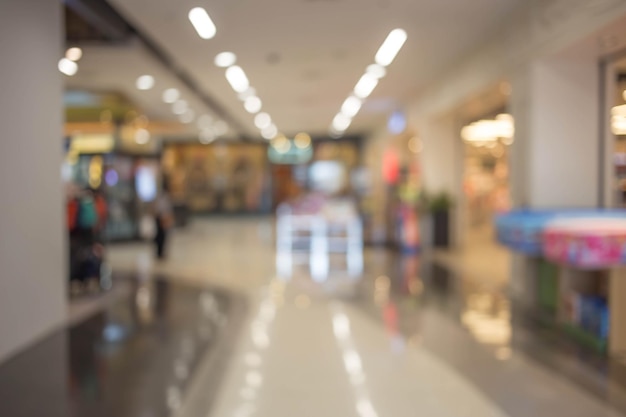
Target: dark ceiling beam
102,17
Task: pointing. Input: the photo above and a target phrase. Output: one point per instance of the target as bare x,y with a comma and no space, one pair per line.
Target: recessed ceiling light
376,71
262,120
202,22
365,86
142,136
253,104
68,67
390,48
145,82
269,132
171,95
237,79
207,136
74,54
341,122
187,117
251,91
220,127
225,59
179,107
334,134
351,106
254,379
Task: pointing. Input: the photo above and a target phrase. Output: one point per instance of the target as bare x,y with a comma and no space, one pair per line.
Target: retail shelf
585,338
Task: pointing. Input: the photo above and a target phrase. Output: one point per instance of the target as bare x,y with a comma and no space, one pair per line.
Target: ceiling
302,56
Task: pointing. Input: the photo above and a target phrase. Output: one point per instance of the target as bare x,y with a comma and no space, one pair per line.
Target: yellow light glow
415,145
94,143
302,140
485,131
95,172
281,144
618,120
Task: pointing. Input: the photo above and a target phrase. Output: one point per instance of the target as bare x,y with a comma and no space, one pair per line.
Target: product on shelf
586,243
590,313
524,230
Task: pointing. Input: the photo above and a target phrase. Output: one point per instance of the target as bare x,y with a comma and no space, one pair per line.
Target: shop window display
114,175
486,175
218,178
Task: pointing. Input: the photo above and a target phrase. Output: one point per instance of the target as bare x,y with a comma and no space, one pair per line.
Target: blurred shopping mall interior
329,208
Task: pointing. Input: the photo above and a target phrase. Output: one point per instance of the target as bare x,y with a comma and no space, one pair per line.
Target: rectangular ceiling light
390,48
202,22
341,122
237,79
365,86
351,106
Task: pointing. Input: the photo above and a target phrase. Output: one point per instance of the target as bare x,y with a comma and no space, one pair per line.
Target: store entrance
486,174
485,184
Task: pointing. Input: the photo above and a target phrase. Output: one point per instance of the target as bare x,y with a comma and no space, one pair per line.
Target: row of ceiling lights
209,129
239,82
235,75
368,81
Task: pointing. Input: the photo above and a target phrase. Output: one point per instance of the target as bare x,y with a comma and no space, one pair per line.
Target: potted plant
439,206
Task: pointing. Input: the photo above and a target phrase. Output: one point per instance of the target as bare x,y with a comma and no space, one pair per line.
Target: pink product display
309,204
586,243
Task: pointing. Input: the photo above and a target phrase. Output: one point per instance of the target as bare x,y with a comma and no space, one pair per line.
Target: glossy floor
409,338
134,358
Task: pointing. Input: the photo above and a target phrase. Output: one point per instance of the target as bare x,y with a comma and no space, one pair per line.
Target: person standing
164,219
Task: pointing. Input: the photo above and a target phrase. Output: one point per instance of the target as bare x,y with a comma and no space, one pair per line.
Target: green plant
440,202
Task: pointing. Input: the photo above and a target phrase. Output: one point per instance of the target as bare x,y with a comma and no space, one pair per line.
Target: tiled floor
419,342
409,338
135,358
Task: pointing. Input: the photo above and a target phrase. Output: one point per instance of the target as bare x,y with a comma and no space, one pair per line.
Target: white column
442,165
32,244
555,158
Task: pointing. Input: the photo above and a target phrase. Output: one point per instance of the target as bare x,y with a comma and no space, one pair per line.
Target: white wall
441,168
539,28
32,246
563,136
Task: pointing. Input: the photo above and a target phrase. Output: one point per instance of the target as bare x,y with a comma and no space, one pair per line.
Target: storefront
616,102
129,183
391,201
486,145
218,178
300,165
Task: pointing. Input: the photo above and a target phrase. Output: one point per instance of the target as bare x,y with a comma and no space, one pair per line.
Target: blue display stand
522,230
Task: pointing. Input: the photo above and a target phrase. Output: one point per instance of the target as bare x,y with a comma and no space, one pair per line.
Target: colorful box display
586,243
580,238
522,230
